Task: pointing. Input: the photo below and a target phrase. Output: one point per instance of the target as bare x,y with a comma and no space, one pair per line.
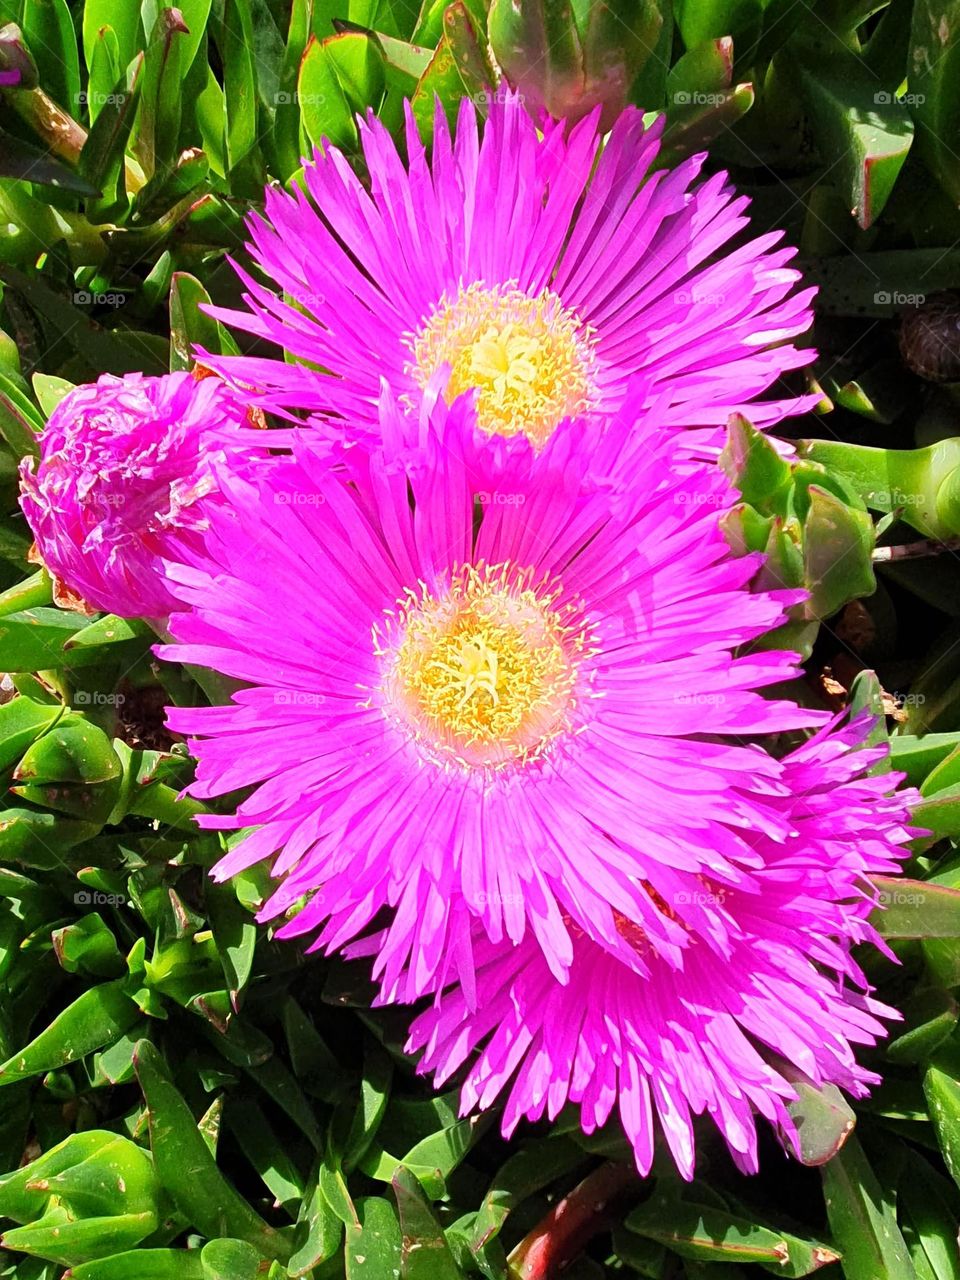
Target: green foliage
811,526
183,1098
195,1099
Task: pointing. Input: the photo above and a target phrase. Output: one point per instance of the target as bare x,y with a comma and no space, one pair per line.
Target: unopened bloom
537,265
525,710
126,471
763,991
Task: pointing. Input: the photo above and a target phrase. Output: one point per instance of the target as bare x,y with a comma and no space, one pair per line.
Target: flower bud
127,469
17,68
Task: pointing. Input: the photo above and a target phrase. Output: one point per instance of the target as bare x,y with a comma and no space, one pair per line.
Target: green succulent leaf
88,946
48,25
709,1234
325,109
189,326
932,1019
424,1254
374,1244
22,722
22,161
704,68
919,757
319,1232
57,1237
855,120
103,158
188,1171
96,1018
458,69
863,1223
122,20
916,908
824,1121
144,1264
838,545
229,1260
934,63
928,1214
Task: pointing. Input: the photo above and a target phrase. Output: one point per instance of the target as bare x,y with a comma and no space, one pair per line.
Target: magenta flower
539,266
538,722
125,473
764,990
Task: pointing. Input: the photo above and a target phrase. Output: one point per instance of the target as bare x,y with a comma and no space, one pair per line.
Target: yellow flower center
484,673
530,359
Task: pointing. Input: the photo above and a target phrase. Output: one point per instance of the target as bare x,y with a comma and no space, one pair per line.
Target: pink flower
527,712
762,991
538,265
126,474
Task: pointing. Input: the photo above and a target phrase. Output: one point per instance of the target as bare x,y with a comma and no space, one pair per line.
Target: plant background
181,1096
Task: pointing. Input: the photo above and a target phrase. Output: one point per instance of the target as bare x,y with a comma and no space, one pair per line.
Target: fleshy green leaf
865,131
229,1260
373,1244
823,1119
189,326
97,1017
458,69
122,19
325,109
48,25
916,908
928,1214
863,1223
838,545
144,1264
319,1231
425,1254
188,1171
934,62
22,721
710,1234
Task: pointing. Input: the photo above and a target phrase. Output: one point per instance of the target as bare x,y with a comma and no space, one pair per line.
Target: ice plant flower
539,265
764,995
528,711
126,471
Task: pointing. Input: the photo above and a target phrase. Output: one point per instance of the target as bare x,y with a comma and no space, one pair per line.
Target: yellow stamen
485,672
529,358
